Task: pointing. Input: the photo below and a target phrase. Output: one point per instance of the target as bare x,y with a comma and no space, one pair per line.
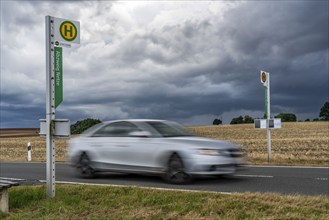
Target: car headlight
213,152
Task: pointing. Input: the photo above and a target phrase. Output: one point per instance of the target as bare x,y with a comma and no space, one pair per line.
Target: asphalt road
284,180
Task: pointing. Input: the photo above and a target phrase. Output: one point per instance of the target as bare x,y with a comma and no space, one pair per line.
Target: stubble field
300,143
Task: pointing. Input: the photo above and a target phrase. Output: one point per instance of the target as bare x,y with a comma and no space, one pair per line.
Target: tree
217,121
315,119
307,119
81,126
248,119
238,120
286,117
324,112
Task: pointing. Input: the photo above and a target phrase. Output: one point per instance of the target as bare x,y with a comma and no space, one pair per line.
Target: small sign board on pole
58,66
273,123
62,128
260,123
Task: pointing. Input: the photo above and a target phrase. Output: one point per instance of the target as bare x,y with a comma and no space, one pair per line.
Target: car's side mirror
140,134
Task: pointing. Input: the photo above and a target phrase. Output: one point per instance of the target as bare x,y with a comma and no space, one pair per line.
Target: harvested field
19,132
300,143
15,149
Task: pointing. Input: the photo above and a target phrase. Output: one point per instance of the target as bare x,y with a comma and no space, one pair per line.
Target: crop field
300,143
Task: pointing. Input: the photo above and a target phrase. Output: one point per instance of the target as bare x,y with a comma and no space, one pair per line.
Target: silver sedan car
151,147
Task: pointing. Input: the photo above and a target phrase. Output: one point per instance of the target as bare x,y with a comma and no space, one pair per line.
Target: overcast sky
188,61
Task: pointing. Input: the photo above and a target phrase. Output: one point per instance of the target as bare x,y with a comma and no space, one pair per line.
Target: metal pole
265,112
50,107
268,120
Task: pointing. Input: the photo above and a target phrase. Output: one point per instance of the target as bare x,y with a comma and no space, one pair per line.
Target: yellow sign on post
264,78
67,30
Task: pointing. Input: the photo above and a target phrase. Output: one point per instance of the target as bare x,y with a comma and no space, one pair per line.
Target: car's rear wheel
175,172
84,169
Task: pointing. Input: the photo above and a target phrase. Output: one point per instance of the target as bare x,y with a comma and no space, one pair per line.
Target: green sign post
58,69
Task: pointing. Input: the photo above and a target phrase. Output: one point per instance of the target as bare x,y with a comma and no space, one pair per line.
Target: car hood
201,142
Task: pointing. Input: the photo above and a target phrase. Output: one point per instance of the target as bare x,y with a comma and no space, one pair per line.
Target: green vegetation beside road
105,202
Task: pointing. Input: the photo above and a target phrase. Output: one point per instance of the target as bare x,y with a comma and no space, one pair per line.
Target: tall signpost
265,79
59,32
269,122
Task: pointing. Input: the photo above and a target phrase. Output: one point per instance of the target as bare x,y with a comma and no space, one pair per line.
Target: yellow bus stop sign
68,31
264,77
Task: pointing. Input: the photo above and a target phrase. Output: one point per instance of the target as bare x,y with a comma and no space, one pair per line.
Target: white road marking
141,187
323,179
11,179
255,176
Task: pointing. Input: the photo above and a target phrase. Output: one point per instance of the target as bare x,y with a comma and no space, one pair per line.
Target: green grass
105,202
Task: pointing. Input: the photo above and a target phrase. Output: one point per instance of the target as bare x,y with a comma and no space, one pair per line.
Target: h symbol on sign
68,29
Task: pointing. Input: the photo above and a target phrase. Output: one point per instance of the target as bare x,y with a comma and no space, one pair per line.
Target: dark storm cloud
173,63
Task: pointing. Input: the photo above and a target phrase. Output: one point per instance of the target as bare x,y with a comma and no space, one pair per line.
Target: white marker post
57,30
265,79
29,155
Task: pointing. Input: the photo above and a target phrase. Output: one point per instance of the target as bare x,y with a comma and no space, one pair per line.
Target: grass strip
106,202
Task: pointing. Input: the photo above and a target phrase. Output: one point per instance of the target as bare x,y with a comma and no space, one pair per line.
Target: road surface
284,180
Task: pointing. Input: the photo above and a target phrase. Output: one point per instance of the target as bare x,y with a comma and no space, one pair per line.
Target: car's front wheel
83,167
175,172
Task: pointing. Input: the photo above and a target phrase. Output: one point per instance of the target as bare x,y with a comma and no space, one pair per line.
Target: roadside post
265,79
59,33
29,155
269,122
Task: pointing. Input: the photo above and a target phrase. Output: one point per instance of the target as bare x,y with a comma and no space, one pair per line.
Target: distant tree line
242,120
81,126
285,117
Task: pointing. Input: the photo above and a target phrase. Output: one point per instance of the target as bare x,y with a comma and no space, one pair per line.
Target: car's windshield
92,129
169,129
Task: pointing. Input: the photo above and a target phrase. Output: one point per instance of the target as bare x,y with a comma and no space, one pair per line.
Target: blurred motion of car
151,147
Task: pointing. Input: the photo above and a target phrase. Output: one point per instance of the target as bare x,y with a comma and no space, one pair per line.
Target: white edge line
141,187
257,176
9,178
322,179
